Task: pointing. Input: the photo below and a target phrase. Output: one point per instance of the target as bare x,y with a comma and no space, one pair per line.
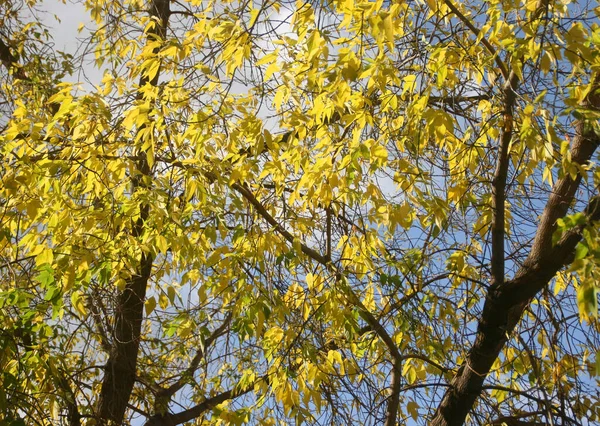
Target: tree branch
164,396
10,62
516,420
484,41
499,182
249,196
199,409
97,317
505,304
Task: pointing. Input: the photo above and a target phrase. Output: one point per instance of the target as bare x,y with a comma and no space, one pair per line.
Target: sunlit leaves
291,168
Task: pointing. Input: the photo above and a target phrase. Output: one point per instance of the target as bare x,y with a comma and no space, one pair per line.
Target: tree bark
120,369
505,303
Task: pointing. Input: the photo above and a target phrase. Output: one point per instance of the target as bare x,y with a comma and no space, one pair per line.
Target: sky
64,20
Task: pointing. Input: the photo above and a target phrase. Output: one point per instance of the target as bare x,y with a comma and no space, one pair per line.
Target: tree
337,212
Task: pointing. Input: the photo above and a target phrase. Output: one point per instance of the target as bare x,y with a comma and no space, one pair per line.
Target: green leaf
581,250
587,300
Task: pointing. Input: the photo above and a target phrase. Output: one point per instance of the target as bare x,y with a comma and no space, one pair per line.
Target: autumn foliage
312,212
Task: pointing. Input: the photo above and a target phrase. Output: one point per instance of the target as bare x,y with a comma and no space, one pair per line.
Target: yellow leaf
268,59
388,26
271,69
379,152
78,302
185,329
253,16
151,67
297,244
32,208
45,257
310,280
409,83
150,305
163,301
161,244
413,409
171,294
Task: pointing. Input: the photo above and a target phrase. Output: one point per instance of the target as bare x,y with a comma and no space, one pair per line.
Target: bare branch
163,396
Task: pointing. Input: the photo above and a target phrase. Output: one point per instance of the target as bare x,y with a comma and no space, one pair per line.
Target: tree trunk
505,303
120,369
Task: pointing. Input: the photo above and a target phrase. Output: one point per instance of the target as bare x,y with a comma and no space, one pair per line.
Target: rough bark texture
391,412
505,303
120,369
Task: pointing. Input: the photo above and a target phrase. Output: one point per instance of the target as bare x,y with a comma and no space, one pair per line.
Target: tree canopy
312,212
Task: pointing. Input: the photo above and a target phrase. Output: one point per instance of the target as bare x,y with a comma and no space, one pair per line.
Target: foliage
336,212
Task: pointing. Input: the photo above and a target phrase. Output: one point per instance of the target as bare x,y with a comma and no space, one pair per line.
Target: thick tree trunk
120,369
505,303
